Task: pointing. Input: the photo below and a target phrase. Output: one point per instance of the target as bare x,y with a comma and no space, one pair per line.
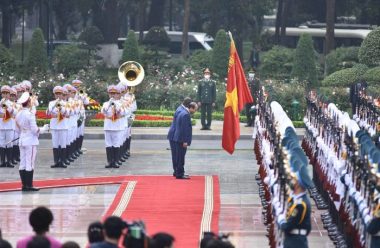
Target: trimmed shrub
346,77
36,60
341,58
372,75
131,48
369,52
338,95
69,59
220,54
305,66
7,61
276,63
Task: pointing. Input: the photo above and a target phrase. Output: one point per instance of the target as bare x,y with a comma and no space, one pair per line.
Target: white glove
367,219
44,129
281,219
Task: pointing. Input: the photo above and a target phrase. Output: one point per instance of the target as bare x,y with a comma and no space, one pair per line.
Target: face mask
207,76
251,75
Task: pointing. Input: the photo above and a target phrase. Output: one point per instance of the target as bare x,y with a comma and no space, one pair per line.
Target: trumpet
58,104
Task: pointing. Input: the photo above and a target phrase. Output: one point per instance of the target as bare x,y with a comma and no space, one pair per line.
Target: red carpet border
183,208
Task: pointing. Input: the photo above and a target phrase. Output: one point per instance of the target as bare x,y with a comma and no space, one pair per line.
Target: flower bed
41,114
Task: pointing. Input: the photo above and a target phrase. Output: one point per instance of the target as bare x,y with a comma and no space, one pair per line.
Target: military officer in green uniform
296,224
206,98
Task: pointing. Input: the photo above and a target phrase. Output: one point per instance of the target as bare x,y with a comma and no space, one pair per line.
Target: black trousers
206,111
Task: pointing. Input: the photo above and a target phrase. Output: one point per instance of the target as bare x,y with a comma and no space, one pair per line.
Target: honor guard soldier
34,98
27,128
297,223
206,98
84,100
16,108
113,126
7,127
373,224
58,127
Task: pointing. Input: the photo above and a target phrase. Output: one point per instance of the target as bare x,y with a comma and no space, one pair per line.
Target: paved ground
75,208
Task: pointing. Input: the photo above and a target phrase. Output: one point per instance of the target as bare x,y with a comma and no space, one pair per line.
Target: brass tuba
131,73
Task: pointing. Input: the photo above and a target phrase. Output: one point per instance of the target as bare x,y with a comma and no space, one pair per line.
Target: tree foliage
7,61
372,76
346,77
69,59
36,60
220,54
91,35
369,52
341,58
304,66
277,63
131,48
157,37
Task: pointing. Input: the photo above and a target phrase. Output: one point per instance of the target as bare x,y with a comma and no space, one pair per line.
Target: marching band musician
72,122
7,127
126,106
84,100
297,222
58,126
130,97
113,126
34,98
16,109
27,128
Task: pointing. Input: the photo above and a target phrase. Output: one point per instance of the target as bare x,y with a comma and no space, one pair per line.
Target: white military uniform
113,112
28,131
7,127
28,142
58,123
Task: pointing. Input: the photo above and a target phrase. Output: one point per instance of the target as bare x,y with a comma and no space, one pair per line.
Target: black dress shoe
203,128
183,177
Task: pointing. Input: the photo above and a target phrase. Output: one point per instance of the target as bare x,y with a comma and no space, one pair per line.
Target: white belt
298,231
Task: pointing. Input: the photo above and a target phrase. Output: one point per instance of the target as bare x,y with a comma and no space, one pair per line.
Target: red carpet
183,208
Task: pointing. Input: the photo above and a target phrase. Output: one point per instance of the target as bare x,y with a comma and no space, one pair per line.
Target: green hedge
298,124
372,75
369,52
346,77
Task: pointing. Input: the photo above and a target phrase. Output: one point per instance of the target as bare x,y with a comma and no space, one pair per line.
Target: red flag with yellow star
237,95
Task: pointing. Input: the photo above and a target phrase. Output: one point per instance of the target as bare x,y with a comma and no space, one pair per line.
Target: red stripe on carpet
162,202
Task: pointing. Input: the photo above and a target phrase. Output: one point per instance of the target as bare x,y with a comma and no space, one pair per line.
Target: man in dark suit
182,138
185,104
